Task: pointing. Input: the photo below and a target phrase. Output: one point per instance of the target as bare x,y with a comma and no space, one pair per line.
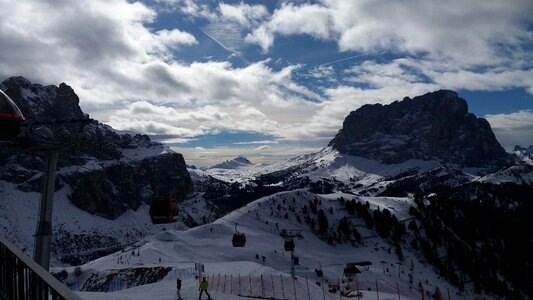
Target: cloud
130,75
475,33
513,129
257,142
244,14
264,147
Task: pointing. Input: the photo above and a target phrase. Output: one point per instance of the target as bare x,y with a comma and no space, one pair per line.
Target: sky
271,79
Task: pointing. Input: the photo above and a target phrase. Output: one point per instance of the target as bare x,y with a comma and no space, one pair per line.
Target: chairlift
162,210
239,238
10,118
289,245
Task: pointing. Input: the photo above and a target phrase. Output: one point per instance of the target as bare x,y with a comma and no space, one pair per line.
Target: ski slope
261,221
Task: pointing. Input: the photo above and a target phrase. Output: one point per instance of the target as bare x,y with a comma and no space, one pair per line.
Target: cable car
239,238
289,245
161,210
10,118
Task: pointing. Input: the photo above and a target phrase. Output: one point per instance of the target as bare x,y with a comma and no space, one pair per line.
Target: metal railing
21,278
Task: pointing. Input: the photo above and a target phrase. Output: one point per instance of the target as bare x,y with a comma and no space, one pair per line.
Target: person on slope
178,287
203,288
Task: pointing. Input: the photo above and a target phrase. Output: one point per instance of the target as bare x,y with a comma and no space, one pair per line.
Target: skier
203,288
178,287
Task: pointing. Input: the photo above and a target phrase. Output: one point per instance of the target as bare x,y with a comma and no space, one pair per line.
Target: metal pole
273,290
307,283
294,287
340,289
262,287
293,273
398,288
377,290
323,290
250,279
43,233
282,290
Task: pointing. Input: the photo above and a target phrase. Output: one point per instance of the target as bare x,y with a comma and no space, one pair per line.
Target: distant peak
237,162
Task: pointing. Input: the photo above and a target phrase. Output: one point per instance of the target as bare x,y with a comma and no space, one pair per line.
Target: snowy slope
77,232
261,221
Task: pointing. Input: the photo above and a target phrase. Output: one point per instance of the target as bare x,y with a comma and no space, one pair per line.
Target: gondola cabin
161,210
289,245
10,118
239,239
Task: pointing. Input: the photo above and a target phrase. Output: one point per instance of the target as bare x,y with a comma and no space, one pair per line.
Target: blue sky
271,79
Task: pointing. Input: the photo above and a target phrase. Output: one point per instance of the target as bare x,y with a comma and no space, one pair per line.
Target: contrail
232,51
338,60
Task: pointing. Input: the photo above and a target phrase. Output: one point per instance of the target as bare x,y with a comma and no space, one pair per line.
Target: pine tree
322,221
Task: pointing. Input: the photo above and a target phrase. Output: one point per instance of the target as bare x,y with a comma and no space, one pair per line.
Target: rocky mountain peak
110,190
237,162
40,102
434,126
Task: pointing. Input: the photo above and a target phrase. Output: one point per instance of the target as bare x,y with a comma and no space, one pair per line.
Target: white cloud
476,32
513,129
244,14
127,75
264,147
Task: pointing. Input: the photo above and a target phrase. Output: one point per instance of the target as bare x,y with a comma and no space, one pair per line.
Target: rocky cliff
435,126
102,187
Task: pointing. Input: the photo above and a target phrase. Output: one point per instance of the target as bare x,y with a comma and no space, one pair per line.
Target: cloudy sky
271,79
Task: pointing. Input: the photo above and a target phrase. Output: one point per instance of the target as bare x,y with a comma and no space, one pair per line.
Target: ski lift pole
43,233
293,272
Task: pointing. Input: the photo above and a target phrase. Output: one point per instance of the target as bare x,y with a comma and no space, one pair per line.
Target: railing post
282,289
273,289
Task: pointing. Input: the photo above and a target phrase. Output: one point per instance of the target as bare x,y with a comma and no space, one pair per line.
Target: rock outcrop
435,126
108,190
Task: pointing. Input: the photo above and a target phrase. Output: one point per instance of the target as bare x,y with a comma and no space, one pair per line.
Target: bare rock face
108,191
435,126
111,191
43,103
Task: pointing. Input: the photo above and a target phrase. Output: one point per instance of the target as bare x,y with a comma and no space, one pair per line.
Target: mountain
237,162
427,220
470,199
103,177
435,126
524,154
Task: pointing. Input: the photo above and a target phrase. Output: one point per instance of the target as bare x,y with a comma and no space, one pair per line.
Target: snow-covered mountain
101,203
237,162
432,216
525,154
327,247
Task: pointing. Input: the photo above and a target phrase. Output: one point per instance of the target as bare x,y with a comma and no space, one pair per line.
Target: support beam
43,233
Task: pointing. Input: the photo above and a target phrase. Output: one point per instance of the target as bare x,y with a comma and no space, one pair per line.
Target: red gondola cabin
10,118
161,211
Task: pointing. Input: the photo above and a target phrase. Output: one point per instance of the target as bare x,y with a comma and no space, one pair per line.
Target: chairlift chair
239,238
10,118
161,210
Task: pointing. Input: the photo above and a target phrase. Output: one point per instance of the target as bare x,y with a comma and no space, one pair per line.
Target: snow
18,218
210,245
